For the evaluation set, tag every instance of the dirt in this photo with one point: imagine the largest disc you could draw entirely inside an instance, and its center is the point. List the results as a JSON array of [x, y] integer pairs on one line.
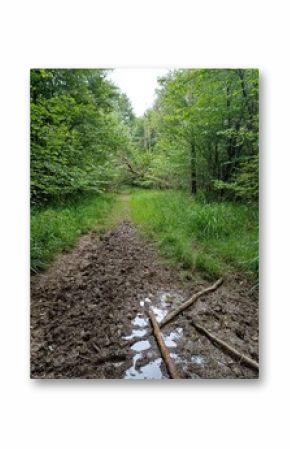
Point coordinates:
[[88, 316]]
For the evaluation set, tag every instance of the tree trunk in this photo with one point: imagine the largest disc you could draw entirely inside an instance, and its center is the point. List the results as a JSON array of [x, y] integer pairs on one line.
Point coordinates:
[[193, 167]]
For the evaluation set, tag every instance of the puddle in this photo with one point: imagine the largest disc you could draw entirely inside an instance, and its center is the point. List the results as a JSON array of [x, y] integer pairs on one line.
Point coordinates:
[[142, 348], [141, 345], [159, 313], [136, 333], [170, 340], [140, 320], [150, 371]]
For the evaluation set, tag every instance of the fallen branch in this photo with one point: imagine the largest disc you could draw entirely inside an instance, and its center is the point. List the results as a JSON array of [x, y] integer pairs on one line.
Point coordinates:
[[131, 168], [241, 357], [189, 302], [170, 365]]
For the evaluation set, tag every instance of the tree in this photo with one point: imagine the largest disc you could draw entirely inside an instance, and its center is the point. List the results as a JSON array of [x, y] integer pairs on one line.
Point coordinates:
[[77, 129], [205, 130]]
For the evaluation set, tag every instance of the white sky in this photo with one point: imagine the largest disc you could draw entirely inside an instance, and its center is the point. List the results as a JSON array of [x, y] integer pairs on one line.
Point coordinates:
[[139, 85]]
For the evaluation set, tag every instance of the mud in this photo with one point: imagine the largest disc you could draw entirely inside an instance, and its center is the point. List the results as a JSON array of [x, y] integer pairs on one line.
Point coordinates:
[[88, 315]]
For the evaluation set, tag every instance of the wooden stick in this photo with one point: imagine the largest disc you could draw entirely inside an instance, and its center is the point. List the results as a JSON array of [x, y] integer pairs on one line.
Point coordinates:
[[171, 368], [241, 357], [189, 302]]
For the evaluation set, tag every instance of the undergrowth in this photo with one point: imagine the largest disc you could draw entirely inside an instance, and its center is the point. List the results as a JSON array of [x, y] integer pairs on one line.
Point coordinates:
[[56, 227], [212, 238]]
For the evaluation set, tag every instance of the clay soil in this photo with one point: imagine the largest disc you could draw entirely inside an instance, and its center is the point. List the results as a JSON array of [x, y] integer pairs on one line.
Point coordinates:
[[82, 307]]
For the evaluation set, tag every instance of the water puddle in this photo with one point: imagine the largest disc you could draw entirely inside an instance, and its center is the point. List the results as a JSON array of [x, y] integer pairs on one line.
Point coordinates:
[[141, 345], [171, 340], [150, 371], [136, 333], [140, 320], [146, 349], [159, 313]]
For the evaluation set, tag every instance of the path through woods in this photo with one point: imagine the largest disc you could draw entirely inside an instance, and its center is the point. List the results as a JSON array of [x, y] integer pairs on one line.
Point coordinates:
[[88, 317]]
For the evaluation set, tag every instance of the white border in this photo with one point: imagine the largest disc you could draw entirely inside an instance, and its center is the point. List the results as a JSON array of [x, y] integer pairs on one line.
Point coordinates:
[[148, 34]]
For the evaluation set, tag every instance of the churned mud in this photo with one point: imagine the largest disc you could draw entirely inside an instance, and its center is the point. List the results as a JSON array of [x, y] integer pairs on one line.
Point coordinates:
[[88, 315]]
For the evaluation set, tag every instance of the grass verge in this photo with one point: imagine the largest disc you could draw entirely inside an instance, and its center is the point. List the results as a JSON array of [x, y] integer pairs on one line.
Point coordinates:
[[212, 238], [56, 227]]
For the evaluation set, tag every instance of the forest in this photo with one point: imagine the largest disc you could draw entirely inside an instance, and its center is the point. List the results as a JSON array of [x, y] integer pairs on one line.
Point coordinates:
[[201, 135], [200, 138], [184, 177]]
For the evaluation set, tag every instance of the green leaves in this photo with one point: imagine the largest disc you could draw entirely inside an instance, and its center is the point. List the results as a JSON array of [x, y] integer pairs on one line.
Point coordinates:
[[205, 123], [201, 135], [75, 131]]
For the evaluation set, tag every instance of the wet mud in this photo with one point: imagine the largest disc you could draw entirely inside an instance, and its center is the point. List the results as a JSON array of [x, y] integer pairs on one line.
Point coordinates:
[[88, 315]]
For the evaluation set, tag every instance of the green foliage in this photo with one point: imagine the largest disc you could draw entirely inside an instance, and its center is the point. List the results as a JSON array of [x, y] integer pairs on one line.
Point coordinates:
[[245, 181], [200, 137], [56, 227], [202, 134], [209, 237], [77, 129]]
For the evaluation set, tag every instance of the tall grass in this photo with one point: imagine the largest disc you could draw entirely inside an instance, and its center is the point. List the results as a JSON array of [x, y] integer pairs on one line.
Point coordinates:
[[210, 237], [56, 227]]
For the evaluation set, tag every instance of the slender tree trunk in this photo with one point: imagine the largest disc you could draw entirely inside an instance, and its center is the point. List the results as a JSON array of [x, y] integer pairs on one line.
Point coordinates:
[[193, 168], [228, 167], [244, 91]]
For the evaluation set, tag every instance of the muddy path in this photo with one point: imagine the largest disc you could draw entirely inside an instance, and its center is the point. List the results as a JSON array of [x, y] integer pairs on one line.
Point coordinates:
[[88, 315]]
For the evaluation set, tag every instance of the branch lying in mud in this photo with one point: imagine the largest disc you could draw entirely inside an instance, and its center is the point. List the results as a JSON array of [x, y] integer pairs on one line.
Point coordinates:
[[241, 357], [189, 302], [170, 365]]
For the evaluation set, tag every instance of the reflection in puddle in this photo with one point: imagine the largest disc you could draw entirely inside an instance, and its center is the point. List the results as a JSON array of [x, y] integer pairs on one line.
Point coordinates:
[[141, 345], [170, 340], [136, 333], [140, 320], [159, 313], [152, 369]]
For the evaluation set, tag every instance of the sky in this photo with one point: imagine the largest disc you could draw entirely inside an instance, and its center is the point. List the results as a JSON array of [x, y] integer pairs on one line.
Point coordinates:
[[139, 85]]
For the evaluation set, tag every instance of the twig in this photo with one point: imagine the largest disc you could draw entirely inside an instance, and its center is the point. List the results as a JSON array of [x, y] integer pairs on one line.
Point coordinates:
[[189, 302], [241, 357], [96, 348]]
